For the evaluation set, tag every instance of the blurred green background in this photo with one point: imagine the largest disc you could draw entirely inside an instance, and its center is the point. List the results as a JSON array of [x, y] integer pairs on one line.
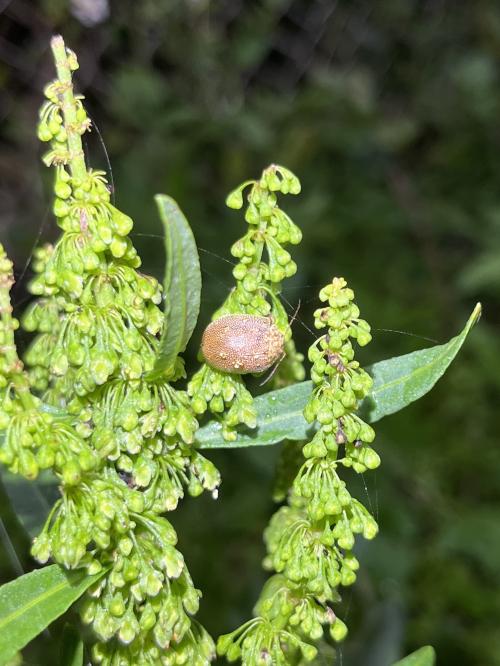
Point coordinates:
[[388, 112]]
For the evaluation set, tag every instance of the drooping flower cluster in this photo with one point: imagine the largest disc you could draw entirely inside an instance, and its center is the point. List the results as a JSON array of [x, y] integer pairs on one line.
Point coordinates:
[[310, 540], [258, 284], [119, 442]]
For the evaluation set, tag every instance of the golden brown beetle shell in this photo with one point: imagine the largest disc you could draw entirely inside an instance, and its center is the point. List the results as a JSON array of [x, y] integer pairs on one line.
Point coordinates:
[[242, 343]]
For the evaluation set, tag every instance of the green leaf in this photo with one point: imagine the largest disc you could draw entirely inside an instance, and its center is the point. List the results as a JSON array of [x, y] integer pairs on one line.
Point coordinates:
[[182, 287], [426, 656], [401, 380], [71, 647], [396, 383], [31, 602], [279, 417]]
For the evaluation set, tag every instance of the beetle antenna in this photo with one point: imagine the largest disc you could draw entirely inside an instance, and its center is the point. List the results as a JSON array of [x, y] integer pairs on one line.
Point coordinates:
[[278, 362], [294, 316], [301, 322]]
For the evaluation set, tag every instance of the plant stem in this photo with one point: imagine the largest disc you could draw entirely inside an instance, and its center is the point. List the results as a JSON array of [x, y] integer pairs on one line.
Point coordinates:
[[8, 348], [77, 164]]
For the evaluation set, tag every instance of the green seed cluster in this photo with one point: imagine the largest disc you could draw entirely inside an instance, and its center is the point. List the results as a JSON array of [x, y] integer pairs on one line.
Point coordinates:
[[7, 323], [120, 443], [258, 284], [111, 311], [310, 540], [35, 440]]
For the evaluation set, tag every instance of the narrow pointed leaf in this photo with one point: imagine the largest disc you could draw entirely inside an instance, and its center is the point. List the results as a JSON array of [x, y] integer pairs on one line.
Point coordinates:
[[182, 286], [397, 382], [426, 656], [31, 602]]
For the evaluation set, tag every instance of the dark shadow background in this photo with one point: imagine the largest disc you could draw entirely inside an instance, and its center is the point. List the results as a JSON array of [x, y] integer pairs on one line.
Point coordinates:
[[388, 112]]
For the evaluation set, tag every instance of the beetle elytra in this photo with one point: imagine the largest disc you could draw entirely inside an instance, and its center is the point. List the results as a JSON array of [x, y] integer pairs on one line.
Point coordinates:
[[242, 343]]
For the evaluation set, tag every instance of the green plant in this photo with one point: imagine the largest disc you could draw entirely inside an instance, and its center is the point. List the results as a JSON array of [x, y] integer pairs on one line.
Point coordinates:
[[120, 446], [257, 289], [97, 407], [310, 540]]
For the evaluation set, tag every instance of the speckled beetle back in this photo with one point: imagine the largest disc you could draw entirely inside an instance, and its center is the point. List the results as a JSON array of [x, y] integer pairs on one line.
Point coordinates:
[[242, 343]]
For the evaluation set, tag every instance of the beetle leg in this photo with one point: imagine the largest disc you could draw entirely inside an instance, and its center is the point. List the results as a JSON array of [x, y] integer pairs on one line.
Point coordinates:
[[276, 365]]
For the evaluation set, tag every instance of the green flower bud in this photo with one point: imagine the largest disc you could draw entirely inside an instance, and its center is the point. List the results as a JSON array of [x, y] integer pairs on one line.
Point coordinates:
[[130, 571], [87, 460], [136, 502], [217, 404], [40, 549], [199, 405], [370, 528], [151, 583], [102, 365], [324, 415], [59, 364], [309, 652], [128, 419], [338, 630], [363, 338], [235, 199], [88, 610], [104, 624], [195, 488], [94, 567], [62, 190], [45, 457], [71, 283], [186, 426], [233, 652], [28, 466], [148, 619], [71, 473], [102, 539], [347, 577], [134, 366], [60, 208], [118, 246], [117, 606], [44, 133], [143, 472], [239, 271], [122, 223], [366, 433], [371, 458]]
